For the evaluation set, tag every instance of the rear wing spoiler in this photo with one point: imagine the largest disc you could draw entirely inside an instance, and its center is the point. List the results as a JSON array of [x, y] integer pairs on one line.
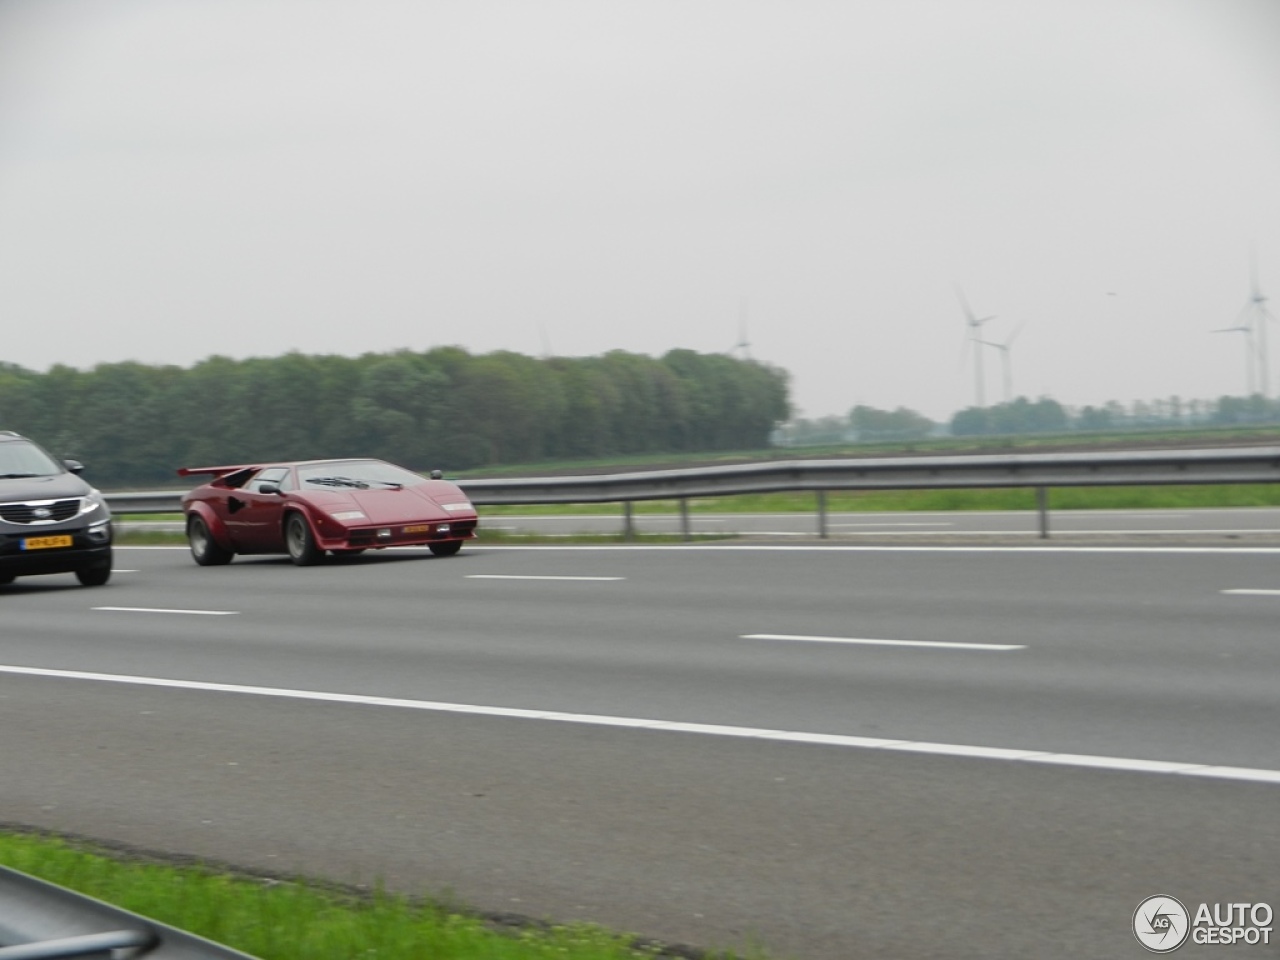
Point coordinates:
[[214, 471]]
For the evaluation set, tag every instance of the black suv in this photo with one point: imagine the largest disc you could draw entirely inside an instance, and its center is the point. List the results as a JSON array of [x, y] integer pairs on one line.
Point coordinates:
[[51, 521]]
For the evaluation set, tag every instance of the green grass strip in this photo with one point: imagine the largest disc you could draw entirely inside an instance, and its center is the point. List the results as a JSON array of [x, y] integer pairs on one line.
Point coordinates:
[[292, 920], [877, 501]]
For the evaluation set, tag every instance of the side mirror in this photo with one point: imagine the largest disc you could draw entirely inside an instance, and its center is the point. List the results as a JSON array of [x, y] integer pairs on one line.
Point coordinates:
[[269, 488], [75, 466], [437, 474]]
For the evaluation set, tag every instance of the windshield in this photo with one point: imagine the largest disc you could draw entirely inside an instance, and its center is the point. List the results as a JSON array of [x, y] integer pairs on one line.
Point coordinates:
[[357, 474], [21, 458]]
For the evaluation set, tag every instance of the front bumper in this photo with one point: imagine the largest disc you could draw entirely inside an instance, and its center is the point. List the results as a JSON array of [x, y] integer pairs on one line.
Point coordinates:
[[36, 550], [402, 535]]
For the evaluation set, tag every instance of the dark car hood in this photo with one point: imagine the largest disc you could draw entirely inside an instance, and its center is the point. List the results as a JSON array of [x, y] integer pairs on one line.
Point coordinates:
[[60, 486]]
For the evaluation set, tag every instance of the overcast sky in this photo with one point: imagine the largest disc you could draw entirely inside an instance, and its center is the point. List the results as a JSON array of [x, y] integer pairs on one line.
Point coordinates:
[[182, 178]]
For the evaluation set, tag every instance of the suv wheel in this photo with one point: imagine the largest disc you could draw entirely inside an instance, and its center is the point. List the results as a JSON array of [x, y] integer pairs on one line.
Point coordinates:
[[95, 575]]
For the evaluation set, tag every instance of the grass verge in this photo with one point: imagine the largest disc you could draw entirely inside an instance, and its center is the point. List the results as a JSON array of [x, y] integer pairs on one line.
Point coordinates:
[[294, 920], [929, 501]]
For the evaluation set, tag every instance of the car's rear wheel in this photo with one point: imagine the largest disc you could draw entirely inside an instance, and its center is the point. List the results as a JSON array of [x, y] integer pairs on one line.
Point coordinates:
[[206, 550], [300, 541], [94, 575], [446, 548]]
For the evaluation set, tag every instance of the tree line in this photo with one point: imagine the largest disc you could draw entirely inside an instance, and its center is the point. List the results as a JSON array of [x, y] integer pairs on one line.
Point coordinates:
[[134, 424], [865, 424]]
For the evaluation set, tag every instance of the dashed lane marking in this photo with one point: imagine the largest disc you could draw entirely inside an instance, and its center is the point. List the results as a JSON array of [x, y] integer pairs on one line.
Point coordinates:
[[941, 644], [197, 613]]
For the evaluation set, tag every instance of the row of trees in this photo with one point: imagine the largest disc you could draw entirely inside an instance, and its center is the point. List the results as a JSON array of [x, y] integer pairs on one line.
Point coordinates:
[[1048, 416], [135, 423], [1022, 416]]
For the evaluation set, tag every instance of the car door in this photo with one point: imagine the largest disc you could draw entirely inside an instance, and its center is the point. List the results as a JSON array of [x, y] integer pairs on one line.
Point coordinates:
[[253, 517]]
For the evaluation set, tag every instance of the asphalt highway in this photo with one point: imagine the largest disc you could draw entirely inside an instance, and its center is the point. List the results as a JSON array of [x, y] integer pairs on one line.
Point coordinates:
[[830, 751]]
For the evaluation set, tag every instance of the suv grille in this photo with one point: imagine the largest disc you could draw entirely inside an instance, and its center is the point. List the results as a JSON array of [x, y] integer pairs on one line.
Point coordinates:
[[40, 511]]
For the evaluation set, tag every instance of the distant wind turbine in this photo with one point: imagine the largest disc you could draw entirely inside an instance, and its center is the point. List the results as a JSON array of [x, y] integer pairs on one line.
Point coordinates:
[[1252, 322], [974, 324], [1258, 317], [1006, 358], [1246, 328], [743, 346]]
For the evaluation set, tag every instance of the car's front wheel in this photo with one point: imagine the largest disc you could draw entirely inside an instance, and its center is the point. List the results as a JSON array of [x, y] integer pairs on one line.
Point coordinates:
[[446, 548], [204, 548], [300, 541], [94, 575]]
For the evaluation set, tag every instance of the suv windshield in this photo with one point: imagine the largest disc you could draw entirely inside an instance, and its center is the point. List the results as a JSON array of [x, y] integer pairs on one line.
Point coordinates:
[[21, 458]]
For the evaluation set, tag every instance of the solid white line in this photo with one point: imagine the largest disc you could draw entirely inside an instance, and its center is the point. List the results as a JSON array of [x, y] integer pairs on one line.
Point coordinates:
[[891, 523], [875, 548], [1245, 592], [198, 613], [836, 548], [1251, 774], [953, 645], [502, 576]]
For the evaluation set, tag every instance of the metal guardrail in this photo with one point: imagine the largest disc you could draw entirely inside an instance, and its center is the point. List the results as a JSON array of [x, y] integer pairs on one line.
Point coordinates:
[[1040, 471], [42, 921]]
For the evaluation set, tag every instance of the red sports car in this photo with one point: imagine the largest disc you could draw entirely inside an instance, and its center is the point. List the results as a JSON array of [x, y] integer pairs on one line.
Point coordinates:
[[306, 508]]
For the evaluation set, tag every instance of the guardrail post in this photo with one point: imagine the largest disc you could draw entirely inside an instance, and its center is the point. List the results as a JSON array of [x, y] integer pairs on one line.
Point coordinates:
[[684, 519], [822, 514], [1042, 508], [628, 522]]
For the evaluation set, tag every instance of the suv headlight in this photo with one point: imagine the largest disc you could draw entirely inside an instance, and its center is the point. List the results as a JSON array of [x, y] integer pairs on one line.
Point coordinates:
[[94, 504]]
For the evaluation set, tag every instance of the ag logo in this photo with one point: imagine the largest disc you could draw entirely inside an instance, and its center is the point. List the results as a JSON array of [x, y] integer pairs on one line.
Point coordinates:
[[1161, 924]]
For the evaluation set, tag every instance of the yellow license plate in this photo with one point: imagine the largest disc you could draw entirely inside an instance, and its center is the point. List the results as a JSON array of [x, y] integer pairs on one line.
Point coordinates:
[[44, 543], [418, 528]]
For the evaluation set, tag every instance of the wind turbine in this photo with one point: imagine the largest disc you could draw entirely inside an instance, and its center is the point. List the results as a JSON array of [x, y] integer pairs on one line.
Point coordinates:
[[743, 346], [1006, 358], [1257, 313], [975, 337], [1249, 354], [1252, 322]]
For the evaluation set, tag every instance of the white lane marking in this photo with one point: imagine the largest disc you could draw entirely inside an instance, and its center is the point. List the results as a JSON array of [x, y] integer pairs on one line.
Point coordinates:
[[503, 576], [888, 523], [1207, 771], [1246, 592], [198, 613], [947, 644], [843, 548], [875, 548]]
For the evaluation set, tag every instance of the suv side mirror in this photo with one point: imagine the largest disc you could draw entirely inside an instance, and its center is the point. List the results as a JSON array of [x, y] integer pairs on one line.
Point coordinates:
[[75, 466]]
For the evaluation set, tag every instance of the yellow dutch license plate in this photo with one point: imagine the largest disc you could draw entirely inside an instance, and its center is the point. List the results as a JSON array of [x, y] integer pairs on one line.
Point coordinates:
[[418, 528], [45, 543]]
